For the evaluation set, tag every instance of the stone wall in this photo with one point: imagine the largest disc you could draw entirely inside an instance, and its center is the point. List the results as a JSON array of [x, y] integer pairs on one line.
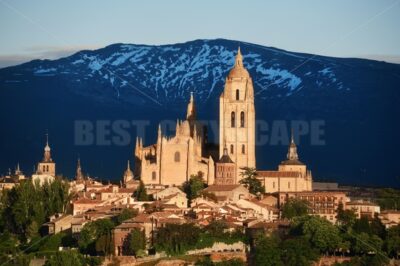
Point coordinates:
[[220, 247]]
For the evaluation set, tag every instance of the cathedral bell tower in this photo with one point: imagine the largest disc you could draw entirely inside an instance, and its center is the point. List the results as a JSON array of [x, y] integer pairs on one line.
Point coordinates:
[[47, 166], [237, 117]]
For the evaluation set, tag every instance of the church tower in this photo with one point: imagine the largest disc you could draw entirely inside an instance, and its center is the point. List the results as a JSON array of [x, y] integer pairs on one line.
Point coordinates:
[[78, 174], [237, 117], [47, 166]]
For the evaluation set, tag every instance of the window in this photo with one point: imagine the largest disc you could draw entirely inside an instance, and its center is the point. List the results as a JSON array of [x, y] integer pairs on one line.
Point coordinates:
[[177, 157], [231, 148], [273, 184], [153, 175], [288, 184], [233, 119], [237, 95], [44, 168], [47, 168], [243, 149], [242, 119]]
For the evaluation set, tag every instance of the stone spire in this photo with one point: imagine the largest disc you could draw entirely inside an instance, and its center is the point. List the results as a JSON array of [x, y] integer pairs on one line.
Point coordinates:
[[18, 170], [159, 131], [78, 174], [239, 59], [137, 146], [292, 151], [128, 174], [47, 151], [191, 109]]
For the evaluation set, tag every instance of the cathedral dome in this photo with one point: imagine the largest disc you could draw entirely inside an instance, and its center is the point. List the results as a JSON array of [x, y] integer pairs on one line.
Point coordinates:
[[238, 70]]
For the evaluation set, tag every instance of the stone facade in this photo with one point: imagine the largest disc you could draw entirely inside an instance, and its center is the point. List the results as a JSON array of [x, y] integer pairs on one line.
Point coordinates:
[[292, 174], [321, 203], [237, 117], [225, 170], [172, 160]]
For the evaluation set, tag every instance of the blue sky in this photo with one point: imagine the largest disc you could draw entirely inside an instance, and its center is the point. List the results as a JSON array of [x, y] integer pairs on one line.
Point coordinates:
[[50, 29]]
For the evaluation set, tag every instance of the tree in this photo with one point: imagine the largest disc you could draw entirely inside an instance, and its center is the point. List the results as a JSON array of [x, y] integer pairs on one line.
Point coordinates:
[[362, 226], [137, 241], [267, 251], [141, 192], [322, 235], [65, 258], [104, 245], [393, 241], [346, 218], [25, 207], [377, 227], [8, 245], [364, 244], [216, 228], [294, 208], [194, 186], [92, 232], [177, 238], [125, 215], [297, 252], [250, 181]]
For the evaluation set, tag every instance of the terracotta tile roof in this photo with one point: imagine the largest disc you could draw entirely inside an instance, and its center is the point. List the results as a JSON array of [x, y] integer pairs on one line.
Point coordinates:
[[222, 187], [86, 201], [292, 162], [361, 203], [278, 174], [120, 190]]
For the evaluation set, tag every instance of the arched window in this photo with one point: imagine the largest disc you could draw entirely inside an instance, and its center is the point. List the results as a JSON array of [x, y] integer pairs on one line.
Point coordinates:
[[153, 175], [44, 168], [47, 168], [231, 148], [237, 95], [177, 157], [288, 184], [233, 119], [241, 119], [243, 149]]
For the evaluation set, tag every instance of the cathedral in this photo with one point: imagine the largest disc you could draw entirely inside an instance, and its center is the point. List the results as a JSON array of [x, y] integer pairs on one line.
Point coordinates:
[[172, 160]]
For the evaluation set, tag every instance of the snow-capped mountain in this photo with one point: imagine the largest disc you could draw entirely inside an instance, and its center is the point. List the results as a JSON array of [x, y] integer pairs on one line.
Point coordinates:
[[356, 99]]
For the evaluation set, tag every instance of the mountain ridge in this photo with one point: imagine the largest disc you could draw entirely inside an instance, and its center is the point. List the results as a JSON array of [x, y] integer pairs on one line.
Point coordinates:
[[350, 95]]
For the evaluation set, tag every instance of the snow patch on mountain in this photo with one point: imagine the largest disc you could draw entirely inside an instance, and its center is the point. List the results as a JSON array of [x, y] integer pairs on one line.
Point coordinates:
[[279, 77]]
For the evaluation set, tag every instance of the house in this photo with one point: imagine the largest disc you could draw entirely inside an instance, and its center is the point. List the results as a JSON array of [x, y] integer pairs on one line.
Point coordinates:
[[178, 199], [168, 192], [228, 192], [262, 211], [390, 218], [58, 224], [146, 222], [269, 200], [321, 203], [82, 205], [363, 208], [114, 192]]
